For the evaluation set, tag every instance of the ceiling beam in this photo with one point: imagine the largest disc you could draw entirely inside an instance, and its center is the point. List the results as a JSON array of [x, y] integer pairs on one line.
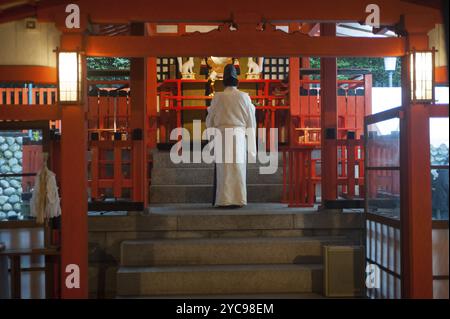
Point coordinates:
[[240, 43], [28, 73], [30, 112], [31, 9], [116, 11]]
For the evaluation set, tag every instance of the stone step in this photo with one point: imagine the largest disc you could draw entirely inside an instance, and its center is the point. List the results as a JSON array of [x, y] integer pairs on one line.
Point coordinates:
[[205, 176], [219, 279], [225, 251], [256, 193], [202, 217], [162, 159]]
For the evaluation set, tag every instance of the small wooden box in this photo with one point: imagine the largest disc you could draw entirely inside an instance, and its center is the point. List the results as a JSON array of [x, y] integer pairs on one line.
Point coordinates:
[[344, 271]]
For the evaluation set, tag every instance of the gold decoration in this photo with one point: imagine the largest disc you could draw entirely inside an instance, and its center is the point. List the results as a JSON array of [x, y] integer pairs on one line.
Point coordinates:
[[218, 64]]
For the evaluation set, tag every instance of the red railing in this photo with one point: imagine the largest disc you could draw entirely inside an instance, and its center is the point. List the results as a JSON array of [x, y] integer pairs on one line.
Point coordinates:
[[111, 148], [384, 151], [298, 176], [172, 104], [20, 96], [351, 168], [110, 169], [109, 111], [353, 104], [37, 96]]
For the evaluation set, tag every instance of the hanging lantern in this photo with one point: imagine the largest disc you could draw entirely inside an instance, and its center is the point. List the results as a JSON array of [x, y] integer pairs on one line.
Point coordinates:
[[422, 76], [69, 78]]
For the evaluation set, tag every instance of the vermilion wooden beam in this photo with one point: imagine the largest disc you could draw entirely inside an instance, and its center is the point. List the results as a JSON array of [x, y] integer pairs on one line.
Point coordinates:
[[416, 217], [30, 112], [243, 43], [138, 122], [74, 226], [203, 11], [438, 110], [152, 108], [328, 118], [368, 79], [74, 241], [415, 177], [294, 97], [28, 73]]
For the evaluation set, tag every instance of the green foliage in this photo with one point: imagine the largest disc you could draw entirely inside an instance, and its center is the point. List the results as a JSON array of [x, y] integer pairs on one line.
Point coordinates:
[[108, 63], [374, 65]]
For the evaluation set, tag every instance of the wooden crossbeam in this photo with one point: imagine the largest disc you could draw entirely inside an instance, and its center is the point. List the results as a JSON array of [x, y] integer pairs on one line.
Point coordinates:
[[274, 43], [29, 112], [283, 11]]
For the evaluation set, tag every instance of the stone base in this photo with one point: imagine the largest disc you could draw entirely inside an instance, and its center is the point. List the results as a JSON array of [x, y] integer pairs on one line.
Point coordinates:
[[188, 76], [253, 76], [214, 245]]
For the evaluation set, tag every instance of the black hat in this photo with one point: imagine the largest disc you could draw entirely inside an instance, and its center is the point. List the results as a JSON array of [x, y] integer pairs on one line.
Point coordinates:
[[229, 72]]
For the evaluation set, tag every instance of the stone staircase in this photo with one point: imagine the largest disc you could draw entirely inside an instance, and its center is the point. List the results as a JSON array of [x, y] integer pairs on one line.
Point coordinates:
[[261, 250], [193, 183]]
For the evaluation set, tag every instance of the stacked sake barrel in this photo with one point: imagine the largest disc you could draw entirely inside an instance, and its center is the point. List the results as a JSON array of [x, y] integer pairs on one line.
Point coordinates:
[[10, 187]]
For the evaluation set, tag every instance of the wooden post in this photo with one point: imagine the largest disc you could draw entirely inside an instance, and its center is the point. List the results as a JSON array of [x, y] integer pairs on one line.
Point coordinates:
[[294, 91], [294, 97], [416, 217], [305, 63], [74, 229], [328, 95], [74, 250], [416, 209], [139, 121], [152, 109]]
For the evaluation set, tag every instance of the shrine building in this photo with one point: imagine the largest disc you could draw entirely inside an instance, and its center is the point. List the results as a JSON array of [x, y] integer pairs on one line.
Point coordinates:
[[105, 185]]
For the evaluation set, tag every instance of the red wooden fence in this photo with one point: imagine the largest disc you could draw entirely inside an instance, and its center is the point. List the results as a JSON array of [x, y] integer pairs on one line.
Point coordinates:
[[298, 184], [110, 169]]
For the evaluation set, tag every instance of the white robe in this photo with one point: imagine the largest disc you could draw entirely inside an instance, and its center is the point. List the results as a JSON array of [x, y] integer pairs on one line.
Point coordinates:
[[233, 109]]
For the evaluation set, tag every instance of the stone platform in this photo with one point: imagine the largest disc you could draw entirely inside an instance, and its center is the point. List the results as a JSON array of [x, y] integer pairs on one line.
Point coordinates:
[[194, 250]]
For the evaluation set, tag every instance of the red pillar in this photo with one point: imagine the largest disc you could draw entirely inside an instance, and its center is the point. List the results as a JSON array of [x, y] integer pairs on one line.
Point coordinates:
[[139, 121], [328, 92], [416, 209], [294, 91], [305, 63], [416, 218], [294, 97], [152, 109], [74, 226]]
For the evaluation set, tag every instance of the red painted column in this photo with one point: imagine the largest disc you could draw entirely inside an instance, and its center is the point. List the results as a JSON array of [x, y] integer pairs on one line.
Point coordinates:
[[294, 92], [152, 109], [305, 63], [74, 219], [328, 95], [416, 209], [294, 97], [139, 121], [416, 218], [367, 95], [74, 233]]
